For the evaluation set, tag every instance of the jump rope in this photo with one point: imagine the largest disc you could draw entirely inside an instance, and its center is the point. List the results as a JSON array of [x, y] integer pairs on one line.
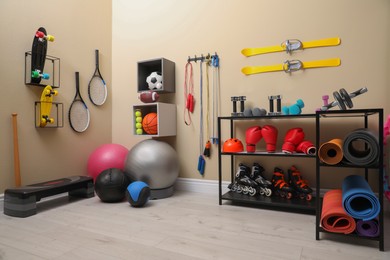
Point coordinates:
[[201, 160], [188, 93], [204, 148]]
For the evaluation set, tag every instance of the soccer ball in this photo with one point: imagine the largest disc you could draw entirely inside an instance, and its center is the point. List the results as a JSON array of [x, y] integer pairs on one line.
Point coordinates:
[[154, 80]]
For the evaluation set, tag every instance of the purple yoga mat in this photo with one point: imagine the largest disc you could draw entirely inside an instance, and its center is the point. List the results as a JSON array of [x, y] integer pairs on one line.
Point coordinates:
[[368, 228]]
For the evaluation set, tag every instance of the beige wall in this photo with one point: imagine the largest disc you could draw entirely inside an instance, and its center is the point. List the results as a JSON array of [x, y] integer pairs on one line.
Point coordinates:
[[177, 29], [47, 154]]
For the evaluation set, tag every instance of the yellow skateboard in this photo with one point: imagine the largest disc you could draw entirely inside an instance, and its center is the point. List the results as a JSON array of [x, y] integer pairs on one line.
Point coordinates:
[[46, 103]]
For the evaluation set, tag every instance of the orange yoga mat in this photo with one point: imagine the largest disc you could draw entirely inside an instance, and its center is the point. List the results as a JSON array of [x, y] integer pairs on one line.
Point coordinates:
[[333, 216]]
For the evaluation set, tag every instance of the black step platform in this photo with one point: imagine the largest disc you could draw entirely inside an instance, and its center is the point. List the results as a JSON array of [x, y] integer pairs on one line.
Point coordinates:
[[22, 202]]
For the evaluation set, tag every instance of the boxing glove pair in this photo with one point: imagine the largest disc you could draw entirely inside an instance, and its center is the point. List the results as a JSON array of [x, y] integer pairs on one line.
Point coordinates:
[[293, 137], [294, 142], [254, 134]]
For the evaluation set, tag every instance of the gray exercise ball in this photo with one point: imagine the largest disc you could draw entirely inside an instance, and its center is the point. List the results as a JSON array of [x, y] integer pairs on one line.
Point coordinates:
[[155, 163]]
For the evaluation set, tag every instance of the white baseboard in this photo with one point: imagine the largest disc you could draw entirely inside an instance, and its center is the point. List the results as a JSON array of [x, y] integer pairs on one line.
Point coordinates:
[[201, 186]]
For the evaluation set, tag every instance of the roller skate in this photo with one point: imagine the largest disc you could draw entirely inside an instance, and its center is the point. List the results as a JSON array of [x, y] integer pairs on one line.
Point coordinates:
[[300, 186], [263, 184], [280, 186], [243, 183]]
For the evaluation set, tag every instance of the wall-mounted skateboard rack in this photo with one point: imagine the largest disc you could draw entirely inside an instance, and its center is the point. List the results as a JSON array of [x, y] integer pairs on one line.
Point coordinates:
[[22, 201], [52, 70]]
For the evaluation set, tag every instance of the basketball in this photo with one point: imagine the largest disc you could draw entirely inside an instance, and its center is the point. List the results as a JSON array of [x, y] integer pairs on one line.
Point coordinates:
[[149, 123]]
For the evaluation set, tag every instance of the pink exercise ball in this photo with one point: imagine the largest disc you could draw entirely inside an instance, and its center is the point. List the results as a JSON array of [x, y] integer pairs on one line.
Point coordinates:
[[105, 157]]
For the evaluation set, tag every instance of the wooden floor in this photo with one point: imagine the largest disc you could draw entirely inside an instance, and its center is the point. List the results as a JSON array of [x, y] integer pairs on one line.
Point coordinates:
[[185, 226]]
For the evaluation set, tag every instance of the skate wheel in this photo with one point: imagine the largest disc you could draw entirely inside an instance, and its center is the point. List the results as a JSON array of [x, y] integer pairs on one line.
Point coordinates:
[[50, 38], [239, 190], [309, 197], [51, 120], [253, 192], [35, 74], [45, 76], [261, 192], [39, 34], [289, 195], [268, 192], [302, 196], [282, 194]]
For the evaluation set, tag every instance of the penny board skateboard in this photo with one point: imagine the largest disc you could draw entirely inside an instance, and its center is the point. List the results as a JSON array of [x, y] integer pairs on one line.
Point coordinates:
[[46, 104], [38, 55]]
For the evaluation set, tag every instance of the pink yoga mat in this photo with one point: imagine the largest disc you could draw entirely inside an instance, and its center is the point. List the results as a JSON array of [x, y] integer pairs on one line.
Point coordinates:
[[333, 216]]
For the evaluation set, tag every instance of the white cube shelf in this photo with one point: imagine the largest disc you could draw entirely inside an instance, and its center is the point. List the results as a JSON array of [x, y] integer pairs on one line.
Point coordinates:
[[162, 65], [166, 118]]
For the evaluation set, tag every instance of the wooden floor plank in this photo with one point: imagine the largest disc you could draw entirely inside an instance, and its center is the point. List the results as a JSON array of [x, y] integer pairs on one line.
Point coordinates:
[[185, 226]]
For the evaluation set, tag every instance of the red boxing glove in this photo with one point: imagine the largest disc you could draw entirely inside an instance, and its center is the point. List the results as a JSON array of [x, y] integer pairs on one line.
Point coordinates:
[[270, 134], [293, 137], [252, 137], [306, 147]]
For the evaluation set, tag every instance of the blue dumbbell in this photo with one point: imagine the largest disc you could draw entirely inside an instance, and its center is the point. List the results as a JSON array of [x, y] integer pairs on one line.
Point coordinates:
[[295, 109]]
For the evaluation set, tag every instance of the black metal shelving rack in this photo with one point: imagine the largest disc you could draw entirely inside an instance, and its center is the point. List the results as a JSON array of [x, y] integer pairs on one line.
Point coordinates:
[[364, 114], [274, 202]]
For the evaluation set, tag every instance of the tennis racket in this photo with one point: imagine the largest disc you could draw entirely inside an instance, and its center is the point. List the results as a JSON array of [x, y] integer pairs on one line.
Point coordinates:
[[78, 111], [97, 89]]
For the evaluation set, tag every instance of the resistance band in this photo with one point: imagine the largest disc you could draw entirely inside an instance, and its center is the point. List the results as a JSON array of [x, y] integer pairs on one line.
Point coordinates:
[[201, 160], [188, 93], [207, 148], [216, 89]]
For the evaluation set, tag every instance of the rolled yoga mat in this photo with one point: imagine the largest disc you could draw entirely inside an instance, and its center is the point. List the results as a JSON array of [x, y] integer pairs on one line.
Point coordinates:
[[358, 199], [361, 147], [333, 216], [331, 152], [369, 228]]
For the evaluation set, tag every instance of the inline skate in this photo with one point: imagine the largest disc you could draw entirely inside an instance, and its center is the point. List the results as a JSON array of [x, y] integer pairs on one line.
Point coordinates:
[[263, 184], [242, 182], [280, 186], [300, 186]]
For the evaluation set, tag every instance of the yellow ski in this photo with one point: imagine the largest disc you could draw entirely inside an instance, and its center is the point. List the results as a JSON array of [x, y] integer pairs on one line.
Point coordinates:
[[291, 66], [291, 45]]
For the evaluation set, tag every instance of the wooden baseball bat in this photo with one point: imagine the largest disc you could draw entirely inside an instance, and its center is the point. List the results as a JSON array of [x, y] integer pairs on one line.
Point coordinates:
[[18, 180]]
